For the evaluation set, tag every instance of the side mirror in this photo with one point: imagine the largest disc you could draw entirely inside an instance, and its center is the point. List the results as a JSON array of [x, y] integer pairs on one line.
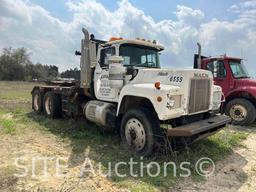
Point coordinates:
[[78, 53]]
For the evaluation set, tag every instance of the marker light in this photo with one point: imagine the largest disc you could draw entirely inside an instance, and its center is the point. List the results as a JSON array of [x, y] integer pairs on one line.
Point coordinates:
[[159, 99], [115, 38], [157, 85]]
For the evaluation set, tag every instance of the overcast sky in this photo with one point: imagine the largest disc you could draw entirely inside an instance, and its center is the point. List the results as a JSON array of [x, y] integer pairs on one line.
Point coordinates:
[[51, 30]]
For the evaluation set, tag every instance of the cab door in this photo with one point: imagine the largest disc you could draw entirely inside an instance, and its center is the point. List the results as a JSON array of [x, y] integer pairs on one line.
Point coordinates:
[[102, 89], [219, 71]]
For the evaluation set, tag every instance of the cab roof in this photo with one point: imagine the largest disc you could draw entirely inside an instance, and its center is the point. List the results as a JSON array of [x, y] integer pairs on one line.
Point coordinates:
[[136, 42], [222, 57]]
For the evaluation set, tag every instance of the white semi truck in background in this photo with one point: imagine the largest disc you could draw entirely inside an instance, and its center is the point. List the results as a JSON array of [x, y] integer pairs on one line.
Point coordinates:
[[123, 88]]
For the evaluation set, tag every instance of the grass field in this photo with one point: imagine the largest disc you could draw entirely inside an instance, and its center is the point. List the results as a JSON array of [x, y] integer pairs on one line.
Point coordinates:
[[25, 134]]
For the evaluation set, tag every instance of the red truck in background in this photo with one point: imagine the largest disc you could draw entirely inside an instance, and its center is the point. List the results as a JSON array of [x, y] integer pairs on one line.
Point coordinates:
[[238, 87]]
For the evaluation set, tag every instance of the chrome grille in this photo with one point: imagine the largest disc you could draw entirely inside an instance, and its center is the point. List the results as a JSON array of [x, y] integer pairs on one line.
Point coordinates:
[[200, 92]]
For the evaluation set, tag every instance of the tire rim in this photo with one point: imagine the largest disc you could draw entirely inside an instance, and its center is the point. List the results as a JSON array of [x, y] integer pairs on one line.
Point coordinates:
[[36, 102], [238, 112], [48, 105], [135, 134]]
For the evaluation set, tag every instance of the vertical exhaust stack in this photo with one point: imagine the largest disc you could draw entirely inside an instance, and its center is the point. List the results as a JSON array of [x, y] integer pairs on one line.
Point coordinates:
[[85, 61], [199, 59]]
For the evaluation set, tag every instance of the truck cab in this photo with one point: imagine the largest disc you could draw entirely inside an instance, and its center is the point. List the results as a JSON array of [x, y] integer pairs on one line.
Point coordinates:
[[238, 87], [132, 54]]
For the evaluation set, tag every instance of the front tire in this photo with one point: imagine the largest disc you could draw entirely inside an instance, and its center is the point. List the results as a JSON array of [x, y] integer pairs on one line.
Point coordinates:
[[241, 111], [52, 105], [139, 128]]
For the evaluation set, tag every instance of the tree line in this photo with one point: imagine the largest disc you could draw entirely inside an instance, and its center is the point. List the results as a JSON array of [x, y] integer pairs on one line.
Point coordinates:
[[15, 65]]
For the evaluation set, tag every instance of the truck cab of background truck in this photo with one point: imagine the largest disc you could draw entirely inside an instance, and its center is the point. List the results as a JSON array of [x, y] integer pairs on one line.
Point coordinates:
[[239, 89]]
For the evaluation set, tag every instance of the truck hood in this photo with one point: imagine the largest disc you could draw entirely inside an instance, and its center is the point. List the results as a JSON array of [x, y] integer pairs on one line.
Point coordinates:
[[175, 77], [245, 82]]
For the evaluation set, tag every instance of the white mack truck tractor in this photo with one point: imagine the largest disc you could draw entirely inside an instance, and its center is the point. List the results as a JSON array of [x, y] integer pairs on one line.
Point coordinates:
[[123, 88]]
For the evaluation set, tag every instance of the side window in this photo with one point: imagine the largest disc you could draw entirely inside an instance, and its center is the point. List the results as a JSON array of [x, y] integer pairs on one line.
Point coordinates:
[[143, 59], [126, 60], [105, 54], [217, 68], [210, 67], [150, 58]]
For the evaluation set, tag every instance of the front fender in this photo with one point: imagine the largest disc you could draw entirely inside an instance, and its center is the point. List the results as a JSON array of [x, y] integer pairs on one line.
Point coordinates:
[[246, 89], [149, 92]]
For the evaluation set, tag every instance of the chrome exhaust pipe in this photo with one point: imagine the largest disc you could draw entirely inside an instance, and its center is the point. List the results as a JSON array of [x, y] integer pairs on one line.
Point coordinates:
[[199, 59]]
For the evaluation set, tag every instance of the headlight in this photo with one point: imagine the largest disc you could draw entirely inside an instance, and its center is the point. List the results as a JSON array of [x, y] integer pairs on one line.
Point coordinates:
[[216, 101], [173, 101], [217, 97]]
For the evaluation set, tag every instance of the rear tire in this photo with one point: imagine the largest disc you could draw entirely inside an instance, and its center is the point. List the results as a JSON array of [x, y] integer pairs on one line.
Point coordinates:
[[52, 105], [241, 111], [37, 104], [139, 128]]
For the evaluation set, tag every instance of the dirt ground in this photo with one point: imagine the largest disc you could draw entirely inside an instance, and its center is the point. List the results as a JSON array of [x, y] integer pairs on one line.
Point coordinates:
[[37, 144], [236, 172], [26, 136]]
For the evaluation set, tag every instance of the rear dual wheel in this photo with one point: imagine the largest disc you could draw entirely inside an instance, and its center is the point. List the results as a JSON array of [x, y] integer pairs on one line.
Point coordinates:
[[37, 104], [52, 105]]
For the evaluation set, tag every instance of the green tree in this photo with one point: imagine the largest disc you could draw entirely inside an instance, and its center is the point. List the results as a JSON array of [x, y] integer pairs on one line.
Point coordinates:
[[71, 73], [15, 64], [12, 63]]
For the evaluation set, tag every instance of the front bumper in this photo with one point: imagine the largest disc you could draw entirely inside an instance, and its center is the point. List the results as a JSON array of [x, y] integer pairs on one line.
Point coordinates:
[[203, 128]]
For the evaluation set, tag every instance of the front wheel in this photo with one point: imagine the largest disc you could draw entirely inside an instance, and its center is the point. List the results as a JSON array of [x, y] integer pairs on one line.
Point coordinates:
[[241, 111], [138, 130]]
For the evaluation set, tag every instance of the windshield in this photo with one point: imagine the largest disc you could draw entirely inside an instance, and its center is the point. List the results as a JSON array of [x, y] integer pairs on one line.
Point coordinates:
[[139, 56], [238, 69]]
